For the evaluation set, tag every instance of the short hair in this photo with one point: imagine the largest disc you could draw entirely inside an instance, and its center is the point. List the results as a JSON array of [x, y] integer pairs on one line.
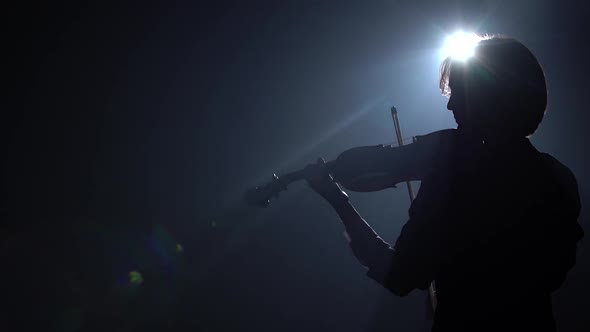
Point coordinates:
[[510, 73]]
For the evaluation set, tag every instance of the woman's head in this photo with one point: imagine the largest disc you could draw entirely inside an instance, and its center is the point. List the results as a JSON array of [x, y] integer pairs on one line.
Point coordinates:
[[500, 90]]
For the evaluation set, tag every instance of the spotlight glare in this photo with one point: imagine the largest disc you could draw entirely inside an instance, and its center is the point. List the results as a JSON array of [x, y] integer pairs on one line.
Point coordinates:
[[460, 45]]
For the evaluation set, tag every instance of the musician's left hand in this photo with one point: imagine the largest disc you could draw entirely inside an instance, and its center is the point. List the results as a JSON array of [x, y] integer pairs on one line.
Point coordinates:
[[324, 184]]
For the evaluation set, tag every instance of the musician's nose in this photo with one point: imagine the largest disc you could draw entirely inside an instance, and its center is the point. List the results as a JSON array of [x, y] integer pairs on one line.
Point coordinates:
[[451, 103], [454, 105]]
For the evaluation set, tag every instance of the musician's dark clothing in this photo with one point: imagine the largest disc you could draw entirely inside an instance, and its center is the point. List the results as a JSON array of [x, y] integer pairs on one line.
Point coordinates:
[[494, 224]]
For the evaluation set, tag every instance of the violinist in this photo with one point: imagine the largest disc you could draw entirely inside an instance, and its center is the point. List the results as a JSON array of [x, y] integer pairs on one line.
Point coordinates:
[[496, 253]]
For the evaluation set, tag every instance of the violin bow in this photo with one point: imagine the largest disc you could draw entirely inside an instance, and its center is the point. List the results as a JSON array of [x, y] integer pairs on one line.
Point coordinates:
[[400, 142]]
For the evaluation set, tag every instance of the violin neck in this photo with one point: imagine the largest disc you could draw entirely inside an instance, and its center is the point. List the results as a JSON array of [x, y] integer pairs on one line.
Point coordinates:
[[261, 196], [304, 173]]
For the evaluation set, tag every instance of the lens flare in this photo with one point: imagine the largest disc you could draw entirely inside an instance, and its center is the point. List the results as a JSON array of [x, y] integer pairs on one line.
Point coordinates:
[[135, 278], [460, 45]]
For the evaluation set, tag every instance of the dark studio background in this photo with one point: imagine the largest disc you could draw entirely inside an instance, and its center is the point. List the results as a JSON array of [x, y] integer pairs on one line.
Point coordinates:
[[136, 127]]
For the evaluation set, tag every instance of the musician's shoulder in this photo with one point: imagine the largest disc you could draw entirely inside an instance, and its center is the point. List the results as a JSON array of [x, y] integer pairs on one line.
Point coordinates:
[[555, 164], [560, 171]]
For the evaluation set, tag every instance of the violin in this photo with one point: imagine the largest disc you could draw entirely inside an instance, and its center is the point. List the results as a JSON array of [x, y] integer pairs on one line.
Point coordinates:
[[353, 169]]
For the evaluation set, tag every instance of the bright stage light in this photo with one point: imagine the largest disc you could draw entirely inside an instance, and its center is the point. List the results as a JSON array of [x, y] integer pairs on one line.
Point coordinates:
[[460, 45]]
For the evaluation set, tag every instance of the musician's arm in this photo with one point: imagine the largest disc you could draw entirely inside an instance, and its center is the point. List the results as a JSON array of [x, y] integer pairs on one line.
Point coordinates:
[[366, 244], [371, 251], [402, 268], [383, 262]]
